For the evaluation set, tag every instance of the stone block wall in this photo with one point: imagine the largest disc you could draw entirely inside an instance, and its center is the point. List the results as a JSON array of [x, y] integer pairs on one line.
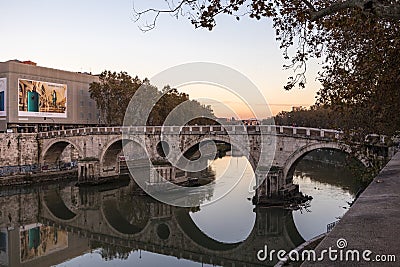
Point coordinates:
[[18, 153], [18, 149]]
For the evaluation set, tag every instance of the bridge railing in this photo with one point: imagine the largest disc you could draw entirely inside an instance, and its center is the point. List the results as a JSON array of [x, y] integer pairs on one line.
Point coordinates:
[[201, 129]]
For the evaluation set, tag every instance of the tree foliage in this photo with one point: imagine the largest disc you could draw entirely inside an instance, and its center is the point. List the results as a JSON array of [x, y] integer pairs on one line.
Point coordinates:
[[357, 42], [315, 117], [112, 95], [352, 120], [114, 91]]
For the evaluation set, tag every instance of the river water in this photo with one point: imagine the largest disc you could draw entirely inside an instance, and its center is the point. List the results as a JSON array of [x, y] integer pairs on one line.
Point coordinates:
[[111, 225]]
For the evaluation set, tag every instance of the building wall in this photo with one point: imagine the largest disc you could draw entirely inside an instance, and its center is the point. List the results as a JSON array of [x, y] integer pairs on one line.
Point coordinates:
[[81, 109], [18, 149]]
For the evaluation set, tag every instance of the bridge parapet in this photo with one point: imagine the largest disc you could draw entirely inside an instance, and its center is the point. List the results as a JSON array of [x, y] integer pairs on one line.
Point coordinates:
[[314, 133]]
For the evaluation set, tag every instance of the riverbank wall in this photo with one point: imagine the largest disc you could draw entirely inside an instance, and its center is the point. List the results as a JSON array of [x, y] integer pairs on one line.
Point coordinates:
[[371, 226]]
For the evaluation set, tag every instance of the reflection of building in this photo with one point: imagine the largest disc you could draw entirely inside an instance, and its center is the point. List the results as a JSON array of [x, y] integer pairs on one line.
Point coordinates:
[[38, 241], [37, 98]]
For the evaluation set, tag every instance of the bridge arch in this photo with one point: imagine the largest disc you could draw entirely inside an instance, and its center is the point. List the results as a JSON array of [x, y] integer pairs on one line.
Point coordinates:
[[193, 232], [109, 163], [296, 156], [56, 207], [118, 223], [223, 138], [51, 152]]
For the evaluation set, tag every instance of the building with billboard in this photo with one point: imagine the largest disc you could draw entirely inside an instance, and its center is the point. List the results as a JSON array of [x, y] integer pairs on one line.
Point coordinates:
[[34, 98]]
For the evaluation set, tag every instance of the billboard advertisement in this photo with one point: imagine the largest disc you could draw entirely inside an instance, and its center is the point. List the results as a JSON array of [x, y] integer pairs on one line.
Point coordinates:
[[42, 99], [3, 92]]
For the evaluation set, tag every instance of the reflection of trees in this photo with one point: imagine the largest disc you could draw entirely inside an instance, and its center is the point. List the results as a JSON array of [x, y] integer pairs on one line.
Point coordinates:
[[205, 176], [135, 209], [110, 252], [329, 168], [331, 156]]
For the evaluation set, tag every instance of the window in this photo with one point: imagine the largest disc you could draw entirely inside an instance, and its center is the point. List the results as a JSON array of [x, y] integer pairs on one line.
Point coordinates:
[[82, 116]]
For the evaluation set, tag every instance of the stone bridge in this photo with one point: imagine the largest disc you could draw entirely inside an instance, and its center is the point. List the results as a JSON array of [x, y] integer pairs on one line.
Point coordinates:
[[99, 150]]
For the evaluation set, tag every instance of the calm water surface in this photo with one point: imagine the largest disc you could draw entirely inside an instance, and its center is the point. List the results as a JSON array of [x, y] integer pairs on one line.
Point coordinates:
[[112, 226]]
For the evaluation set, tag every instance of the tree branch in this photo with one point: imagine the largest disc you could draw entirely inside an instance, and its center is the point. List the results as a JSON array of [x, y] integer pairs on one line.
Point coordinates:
[[309, 5], [157, 13], [391, 11], [387, 11], [336, 7]]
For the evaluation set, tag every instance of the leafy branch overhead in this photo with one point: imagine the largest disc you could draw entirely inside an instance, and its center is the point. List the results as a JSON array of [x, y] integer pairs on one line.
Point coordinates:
[[306, 25], [356, 41]]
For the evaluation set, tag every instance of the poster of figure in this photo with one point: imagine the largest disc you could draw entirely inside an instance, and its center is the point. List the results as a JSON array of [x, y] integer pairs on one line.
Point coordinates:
[[42, 99], [40, 241], [3, 91]]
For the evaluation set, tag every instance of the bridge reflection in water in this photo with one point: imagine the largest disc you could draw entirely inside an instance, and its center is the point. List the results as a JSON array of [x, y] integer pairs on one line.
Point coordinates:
[[87, 226], [49, 225]]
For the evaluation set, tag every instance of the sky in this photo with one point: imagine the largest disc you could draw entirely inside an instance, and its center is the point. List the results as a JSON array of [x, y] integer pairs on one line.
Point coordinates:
[[97, 35]]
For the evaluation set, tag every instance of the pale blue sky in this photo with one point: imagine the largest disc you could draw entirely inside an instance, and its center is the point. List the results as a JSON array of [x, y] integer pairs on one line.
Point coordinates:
[[93, 35]]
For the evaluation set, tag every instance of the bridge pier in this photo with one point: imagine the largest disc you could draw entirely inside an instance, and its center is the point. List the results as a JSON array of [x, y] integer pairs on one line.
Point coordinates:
[[88, 171], [273, 190]]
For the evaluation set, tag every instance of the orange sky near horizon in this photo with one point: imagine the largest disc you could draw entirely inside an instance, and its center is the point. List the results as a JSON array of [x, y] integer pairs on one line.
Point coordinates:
[[226, 104]]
